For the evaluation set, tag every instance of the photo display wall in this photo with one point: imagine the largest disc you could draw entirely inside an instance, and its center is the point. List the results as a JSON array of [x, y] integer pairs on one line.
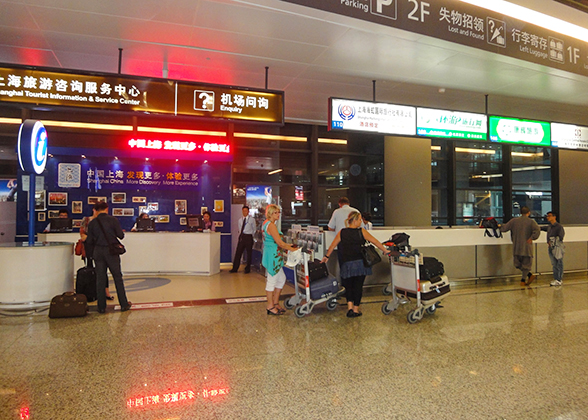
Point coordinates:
[[164, 189]]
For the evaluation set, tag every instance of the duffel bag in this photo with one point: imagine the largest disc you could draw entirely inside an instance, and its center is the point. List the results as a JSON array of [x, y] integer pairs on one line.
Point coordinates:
[[68, 305]]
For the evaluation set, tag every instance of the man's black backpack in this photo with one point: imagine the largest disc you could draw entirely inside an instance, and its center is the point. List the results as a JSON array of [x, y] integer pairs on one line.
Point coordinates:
[[491, 227]]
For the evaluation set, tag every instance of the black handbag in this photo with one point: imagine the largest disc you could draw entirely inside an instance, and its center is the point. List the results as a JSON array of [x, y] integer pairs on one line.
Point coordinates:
[[114, 248], [317, 271], [68, 305], [369, 253]]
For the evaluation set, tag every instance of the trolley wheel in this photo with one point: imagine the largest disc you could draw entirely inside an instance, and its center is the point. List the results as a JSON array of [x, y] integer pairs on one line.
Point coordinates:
[[299, 312], [412, 317], [431, 309], [387, 290], [287, 304], [385, 309], [332, 304]]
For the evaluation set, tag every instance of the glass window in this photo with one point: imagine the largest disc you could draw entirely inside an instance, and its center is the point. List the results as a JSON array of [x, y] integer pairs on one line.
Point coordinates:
[[439, 183], [475, 204], [531, 181]]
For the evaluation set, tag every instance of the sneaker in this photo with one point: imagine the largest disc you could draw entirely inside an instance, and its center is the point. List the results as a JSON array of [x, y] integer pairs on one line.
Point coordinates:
[[555, 283], [531, 278]]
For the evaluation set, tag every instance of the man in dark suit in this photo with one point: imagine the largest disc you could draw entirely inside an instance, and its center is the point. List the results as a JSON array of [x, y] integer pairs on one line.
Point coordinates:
[[102, 231], [246, 230]]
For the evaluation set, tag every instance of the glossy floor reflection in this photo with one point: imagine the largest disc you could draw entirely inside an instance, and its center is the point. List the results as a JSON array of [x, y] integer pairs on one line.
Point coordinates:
[[492, 352]]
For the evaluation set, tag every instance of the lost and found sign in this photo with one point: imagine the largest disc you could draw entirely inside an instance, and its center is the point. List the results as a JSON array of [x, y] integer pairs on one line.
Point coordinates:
[[465, 24], [120, 93]]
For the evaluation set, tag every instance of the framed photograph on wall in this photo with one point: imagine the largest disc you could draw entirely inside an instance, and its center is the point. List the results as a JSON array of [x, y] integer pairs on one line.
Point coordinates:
[[128, 212], [142, 209], [181, 206], [139, 199], [118, 212], [76, 223], [118, 198], [94, 200], [219, 206], [218, 223], [53, 214], [57, 199], [183, 221], [203, 209], [41, 217], [152, 207], [77, 207], [40, 202], [162, 218]]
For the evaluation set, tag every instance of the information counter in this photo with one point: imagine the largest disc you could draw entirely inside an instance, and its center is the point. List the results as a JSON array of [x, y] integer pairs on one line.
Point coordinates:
[[161, 252], [467, 254], [32, 275]]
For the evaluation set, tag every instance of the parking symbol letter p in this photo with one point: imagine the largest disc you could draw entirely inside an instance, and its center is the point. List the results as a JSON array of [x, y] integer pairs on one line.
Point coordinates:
[[390, 10], [381, 3]]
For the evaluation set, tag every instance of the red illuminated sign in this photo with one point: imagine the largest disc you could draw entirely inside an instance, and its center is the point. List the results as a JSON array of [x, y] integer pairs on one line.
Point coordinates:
[[24, 413], [184, 146]]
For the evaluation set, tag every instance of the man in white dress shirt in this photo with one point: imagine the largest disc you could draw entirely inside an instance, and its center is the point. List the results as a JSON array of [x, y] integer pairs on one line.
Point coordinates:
[[246, 230]]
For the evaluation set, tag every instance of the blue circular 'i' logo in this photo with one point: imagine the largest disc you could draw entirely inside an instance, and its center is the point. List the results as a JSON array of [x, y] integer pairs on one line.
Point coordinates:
[[32, 146]]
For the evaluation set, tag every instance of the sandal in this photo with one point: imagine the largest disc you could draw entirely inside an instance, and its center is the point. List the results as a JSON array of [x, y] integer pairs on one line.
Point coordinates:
[[280, 309], [271, 312]]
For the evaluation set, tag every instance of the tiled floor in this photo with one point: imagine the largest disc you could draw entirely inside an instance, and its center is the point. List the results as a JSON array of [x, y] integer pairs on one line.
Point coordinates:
[[494, 351]]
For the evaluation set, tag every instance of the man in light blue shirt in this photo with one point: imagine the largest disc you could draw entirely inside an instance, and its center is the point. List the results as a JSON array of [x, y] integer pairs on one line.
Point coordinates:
[[246, 230], [340, 215]]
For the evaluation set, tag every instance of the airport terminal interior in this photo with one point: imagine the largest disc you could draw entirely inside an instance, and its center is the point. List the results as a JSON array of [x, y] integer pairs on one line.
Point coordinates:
[[126, 90], [188, 350]]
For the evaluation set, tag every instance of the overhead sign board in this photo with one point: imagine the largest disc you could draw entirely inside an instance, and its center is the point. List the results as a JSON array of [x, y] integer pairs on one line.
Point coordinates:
[[568, 136], [121, 93], [372, 117], [451, 124], [513, 130], [466, 24]]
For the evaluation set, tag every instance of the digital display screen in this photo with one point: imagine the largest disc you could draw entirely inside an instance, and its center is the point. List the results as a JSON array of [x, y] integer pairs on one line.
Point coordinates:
[[517, 131], [451, 124], [568, 136], [372, 117]]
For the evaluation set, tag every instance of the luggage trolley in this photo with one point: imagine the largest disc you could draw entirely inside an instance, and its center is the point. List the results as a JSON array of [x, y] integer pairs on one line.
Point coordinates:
[[324, 290], [406, 285]]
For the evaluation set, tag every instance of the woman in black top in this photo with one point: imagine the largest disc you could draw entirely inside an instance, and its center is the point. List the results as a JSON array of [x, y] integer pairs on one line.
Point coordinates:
[[353, 272]]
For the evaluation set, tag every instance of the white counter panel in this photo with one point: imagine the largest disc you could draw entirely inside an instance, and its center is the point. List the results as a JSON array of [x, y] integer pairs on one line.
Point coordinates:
[[161, 252], [31, 276]]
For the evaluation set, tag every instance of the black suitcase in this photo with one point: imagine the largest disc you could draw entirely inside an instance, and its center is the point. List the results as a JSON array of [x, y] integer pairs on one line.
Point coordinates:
[[86, 283], [431, 268], [323, 287]]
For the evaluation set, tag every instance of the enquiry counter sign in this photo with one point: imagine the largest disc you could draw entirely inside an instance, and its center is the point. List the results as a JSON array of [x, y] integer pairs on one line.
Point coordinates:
[[32, 147], [123, 93]]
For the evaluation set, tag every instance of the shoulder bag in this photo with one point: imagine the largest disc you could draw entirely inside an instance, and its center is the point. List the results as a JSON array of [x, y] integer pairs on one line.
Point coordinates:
[[369, 253], [115, 248]]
